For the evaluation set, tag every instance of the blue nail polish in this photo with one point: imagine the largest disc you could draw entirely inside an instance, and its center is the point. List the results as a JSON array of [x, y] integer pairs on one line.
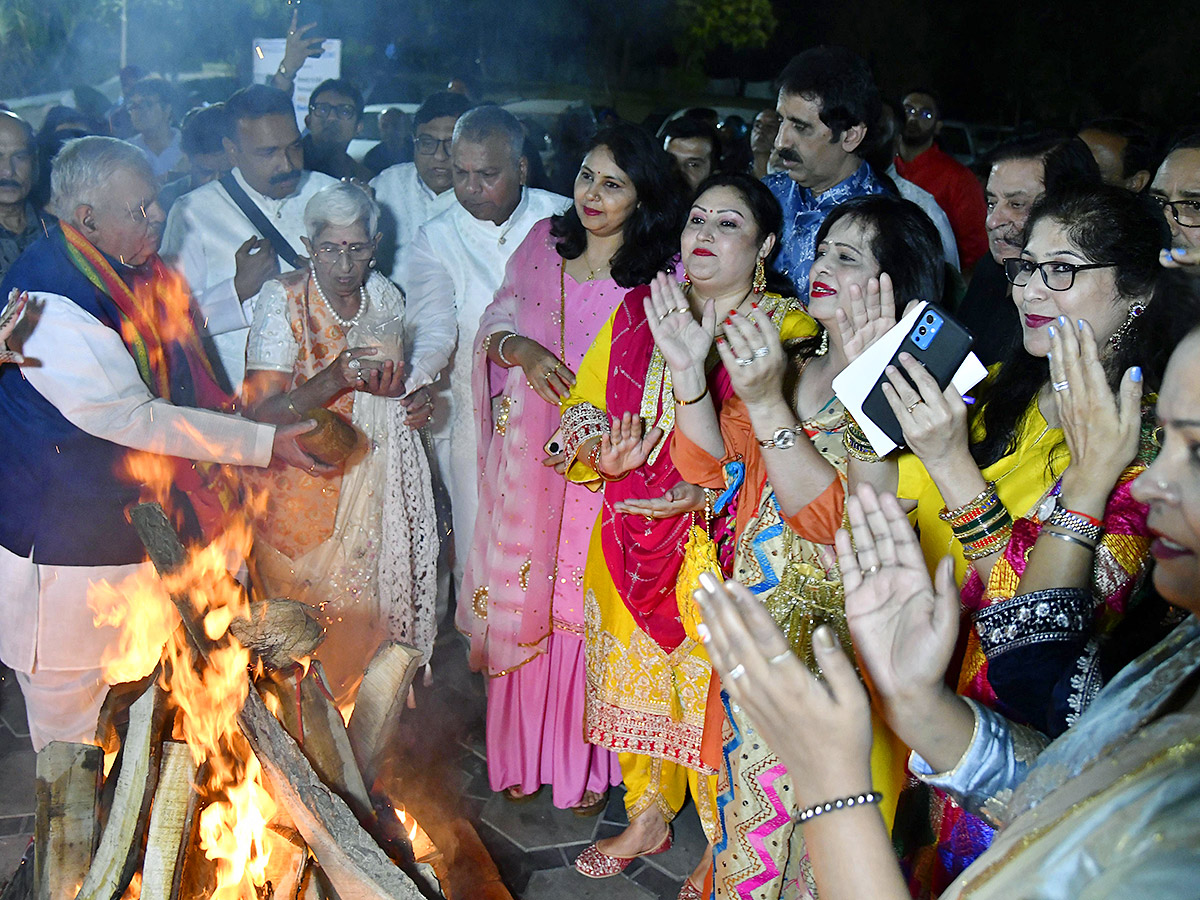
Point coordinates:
[[1062, 320], [1079, 322], [1050, 331], [1049, 356], [1136, 374], [1178, 252]]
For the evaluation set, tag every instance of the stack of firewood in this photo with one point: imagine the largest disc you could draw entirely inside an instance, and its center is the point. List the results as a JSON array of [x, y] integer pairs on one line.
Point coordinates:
[[336, 833]]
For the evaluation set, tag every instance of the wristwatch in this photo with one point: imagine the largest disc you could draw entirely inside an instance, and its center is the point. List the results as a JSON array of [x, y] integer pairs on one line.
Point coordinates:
[[1047, 508], [782, 439]]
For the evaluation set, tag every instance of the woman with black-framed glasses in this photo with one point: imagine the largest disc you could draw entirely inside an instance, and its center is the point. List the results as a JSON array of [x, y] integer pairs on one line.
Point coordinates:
[[1029, 492]]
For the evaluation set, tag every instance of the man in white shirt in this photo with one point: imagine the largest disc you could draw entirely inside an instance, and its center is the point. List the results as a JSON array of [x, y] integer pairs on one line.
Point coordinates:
[[412, 193], [457, 262], [150, 110], [110, 377], [223, 254]]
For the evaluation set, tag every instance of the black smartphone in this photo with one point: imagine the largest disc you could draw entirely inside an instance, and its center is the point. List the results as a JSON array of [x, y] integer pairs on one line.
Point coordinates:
[[939, 343]]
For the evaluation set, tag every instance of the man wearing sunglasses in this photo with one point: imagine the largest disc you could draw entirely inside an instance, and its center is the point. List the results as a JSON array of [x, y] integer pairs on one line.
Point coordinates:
[[953, 185], [1176, 189], [335, 111]]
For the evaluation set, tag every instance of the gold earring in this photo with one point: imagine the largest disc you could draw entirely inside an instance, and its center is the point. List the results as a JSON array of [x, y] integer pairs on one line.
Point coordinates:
[[760, 277]]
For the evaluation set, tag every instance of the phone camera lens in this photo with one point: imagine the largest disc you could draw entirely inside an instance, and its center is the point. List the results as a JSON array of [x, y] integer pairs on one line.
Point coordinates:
[[922, 329], [929, 319]]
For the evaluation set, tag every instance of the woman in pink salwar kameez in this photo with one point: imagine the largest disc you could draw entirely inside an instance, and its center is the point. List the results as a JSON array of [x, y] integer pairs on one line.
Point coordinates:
[[522, 600]]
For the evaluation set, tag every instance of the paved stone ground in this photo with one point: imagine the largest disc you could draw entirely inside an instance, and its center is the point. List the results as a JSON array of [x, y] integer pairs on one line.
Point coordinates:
[[441, 770]]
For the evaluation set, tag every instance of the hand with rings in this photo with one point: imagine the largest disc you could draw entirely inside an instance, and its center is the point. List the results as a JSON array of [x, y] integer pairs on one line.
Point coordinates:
[[904, 629], [683, 342], [545, 374], [753, 356], [419, 404], [1101, 428], [934, 421], [348, 370]]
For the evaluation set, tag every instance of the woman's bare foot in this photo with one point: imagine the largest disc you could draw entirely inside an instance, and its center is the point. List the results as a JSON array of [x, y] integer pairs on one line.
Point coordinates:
[[588, 801], [701, 871], [515, 794], [643, 834]]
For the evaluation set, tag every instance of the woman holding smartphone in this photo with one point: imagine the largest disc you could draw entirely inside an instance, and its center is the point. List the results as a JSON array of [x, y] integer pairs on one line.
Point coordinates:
[[522, 601], [1038, 472]]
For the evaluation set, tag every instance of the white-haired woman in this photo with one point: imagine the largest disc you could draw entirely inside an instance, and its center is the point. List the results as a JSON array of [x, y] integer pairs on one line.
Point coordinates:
[[357, 541]]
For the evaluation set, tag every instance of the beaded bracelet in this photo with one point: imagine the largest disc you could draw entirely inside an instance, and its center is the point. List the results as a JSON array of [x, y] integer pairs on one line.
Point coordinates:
[[856, 442], [833, 805], [500, 349]]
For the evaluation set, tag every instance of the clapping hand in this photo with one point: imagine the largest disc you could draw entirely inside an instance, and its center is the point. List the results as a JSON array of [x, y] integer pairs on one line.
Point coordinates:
[[682, 498], [821, 729], [683, 342], [625, 447], [753, 356], [904, 628], [869, 318], [13, 327], [1101, 429]]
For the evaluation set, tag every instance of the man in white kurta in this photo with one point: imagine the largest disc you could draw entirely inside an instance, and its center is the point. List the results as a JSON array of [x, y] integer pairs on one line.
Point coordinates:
[[208, 237], [457, 260], [410, 194]]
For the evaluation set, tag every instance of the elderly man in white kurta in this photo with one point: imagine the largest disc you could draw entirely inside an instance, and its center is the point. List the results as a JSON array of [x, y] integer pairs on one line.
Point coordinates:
[[458, 259], [110, 377], [223, 254]]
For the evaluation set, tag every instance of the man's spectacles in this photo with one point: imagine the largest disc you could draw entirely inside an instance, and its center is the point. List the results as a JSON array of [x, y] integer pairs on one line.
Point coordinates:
[[1058, 276], [427, 144], [345, 111], [1184, 212], [328, 253], [919, 112]]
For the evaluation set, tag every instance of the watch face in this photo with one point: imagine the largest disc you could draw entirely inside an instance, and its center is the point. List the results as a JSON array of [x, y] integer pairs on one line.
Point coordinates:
[[784, 438], [1046, 509]]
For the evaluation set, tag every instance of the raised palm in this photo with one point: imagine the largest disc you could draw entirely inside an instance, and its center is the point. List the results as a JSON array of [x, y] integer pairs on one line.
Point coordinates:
[[10, 318], [683, 342], [626, 447], [869, 317], [904, 628]]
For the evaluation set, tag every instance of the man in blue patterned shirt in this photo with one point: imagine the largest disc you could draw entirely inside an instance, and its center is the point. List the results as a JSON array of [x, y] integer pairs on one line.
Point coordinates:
[[828, 102]]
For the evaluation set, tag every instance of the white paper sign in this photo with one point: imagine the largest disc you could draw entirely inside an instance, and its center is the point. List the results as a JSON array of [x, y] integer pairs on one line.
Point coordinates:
[[268, 54], [854, 383]]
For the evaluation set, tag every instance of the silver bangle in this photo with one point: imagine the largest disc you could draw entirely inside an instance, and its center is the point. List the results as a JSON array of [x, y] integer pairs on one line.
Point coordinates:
[[833, 805], [500, 349], [1074, 539]]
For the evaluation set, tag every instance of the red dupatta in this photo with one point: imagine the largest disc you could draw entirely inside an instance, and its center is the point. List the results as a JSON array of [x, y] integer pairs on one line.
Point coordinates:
[[644, 555]]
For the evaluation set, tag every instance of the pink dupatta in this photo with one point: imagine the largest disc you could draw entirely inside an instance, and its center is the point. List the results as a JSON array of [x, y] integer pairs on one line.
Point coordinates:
[[509, 577]]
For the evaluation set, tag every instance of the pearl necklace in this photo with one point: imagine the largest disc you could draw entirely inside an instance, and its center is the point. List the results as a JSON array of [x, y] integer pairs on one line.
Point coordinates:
[[346, 324]]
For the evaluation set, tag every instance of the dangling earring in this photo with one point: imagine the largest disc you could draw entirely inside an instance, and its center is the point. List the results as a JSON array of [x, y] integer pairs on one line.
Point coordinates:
[[824, 348], [760, 277], [371, 263], [1117, 341]]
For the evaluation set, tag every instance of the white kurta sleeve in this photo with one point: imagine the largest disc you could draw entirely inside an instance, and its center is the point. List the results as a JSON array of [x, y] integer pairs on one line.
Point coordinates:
[[183, 245], [272, 343], [86, 372], [428, 313]]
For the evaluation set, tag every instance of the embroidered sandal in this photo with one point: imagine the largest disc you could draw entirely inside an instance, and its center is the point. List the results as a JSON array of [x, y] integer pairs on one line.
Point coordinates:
[[595, 863]]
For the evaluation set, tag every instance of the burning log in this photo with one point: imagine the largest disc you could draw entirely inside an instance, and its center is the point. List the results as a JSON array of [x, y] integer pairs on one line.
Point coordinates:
[[279, 632], [289, 860], [379, 703], [353, 862], [355, 865], [307, 712], [116, 858], [171, 822], [68, 786]]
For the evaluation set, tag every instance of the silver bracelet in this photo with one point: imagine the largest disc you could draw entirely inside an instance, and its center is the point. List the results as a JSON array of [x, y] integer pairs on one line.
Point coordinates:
[[842, 803], [500, 349], [1070, 521], [1065, 536]]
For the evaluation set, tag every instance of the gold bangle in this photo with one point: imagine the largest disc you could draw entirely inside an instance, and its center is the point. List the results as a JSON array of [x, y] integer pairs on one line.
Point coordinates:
[[292, 406], [679, 402]]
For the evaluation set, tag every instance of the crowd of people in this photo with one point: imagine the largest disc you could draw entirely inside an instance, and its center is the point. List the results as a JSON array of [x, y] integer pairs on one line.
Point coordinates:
[[965, 667]]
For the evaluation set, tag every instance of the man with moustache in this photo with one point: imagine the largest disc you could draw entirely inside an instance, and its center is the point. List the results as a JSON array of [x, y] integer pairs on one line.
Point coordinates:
[[20, 222], [211, 234], [456, 264], [953, 185], [827, 103], [1020, 172], [113, 370]]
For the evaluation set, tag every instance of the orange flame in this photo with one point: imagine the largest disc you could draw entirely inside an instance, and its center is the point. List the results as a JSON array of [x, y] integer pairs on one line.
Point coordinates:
[[422, 844], [208, 693]]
